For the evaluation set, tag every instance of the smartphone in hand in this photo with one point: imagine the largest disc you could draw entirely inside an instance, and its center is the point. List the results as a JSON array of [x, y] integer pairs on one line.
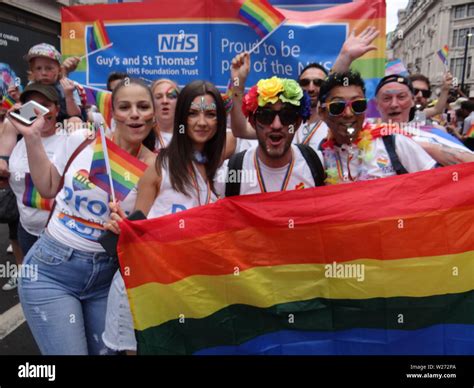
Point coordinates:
[[26, 113]]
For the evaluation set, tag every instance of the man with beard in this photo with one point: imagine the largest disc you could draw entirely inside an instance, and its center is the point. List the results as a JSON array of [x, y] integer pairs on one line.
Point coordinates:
[[314, 130], [274, 108], [354, 152]]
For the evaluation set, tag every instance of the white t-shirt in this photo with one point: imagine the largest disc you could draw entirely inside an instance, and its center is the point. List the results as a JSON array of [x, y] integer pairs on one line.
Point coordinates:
[[165, 140], [170, 201], [312, 134], [410, 154], [34, 209], [82, 208], [300, 176]]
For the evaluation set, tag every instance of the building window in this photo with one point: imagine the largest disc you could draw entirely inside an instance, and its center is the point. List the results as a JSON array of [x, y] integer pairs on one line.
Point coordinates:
[[456, 68], [459, 37], [470, 10], [460, 12]]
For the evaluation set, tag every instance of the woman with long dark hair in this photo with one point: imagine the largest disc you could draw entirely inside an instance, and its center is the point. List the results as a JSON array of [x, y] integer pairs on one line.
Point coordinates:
[[182, 178]]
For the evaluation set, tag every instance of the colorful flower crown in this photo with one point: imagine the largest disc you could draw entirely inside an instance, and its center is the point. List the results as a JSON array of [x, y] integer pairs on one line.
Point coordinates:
[[270, 90]]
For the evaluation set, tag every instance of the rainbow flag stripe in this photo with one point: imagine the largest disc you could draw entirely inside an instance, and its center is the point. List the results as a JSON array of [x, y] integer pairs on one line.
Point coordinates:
[[32, 198], [7, 102], [103, 101], [100, 38], [470, 132], [443, 54], [126, 169], [261, 16], [350, 275]]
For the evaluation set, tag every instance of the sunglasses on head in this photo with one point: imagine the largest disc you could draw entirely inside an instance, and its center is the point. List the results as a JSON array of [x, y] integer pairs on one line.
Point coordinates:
[[425, 93], [306, 81], [336, 108], [266, 116]]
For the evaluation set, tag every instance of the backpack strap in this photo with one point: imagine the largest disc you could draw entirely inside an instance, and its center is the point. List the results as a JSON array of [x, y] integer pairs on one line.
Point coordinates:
[[76, 152], [389, 142], [314, 163], [234, 170]]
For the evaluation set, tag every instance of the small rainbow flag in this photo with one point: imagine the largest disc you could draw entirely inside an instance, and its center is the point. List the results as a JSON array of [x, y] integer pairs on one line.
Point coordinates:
[[103, 101], [261, 16], [32, 198], [126, 169], [443, 54], [470, 132], [7, 101], [100, 38]]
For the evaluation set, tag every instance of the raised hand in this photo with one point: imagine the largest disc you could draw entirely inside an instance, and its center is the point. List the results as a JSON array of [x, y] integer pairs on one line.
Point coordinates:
[[68, 86], [70, 64], [356, 46], [27, 130], [240, 70]]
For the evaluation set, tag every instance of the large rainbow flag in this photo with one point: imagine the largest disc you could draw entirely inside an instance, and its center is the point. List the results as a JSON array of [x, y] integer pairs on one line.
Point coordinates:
[[126, 169], [380, 267], [261, 16]]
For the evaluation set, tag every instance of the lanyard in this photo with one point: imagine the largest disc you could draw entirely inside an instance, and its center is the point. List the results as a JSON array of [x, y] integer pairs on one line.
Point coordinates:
[[160, 139], [311, 133], [340, 170], [261, 182], [196, 186]]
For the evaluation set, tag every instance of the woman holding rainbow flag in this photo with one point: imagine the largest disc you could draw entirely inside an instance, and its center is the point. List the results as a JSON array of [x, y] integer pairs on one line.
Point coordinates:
[[182, 178], [65, 306]]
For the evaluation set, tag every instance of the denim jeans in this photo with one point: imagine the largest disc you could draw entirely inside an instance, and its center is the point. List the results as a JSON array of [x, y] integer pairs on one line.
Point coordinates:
[[25, 239], [65, 304]]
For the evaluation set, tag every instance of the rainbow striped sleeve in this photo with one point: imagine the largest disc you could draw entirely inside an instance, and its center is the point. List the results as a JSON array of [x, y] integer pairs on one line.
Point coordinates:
[[380, 267], [32, 198]]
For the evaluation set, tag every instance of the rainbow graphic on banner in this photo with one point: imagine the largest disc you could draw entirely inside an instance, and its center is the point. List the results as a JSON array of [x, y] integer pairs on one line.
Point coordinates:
[[223, 15], [126, 169], [261, 16], [32, 198], [345, 280], [100, 38]]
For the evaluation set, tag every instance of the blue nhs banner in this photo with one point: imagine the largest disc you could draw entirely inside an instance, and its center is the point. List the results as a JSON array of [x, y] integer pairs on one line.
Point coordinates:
[[200, 50]]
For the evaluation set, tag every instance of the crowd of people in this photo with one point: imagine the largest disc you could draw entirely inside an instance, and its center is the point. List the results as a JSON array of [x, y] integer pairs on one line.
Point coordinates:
[[287, 134]]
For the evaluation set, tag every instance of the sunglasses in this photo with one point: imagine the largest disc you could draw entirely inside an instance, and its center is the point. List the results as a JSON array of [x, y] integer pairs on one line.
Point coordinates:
[[425, 93], [336, 108], [306, 81], [266, 116]]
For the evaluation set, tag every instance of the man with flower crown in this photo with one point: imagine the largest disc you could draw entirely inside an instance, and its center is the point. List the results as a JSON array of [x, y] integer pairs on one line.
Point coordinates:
[[275, 108], [354, 151]]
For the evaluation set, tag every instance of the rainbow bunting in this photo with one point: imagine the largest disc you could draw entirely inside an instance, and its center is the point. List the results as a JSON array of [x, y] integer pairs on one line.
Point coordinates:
[[261, 16], [443, 54], [126, 169], [7, 102], [345, 269], [32, 198], [100, 38]]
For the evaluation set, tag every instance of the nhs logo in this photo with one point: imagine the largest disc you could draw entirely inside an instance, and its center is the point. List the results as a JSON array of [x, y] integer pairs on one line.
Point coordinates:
[[178, 43]]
